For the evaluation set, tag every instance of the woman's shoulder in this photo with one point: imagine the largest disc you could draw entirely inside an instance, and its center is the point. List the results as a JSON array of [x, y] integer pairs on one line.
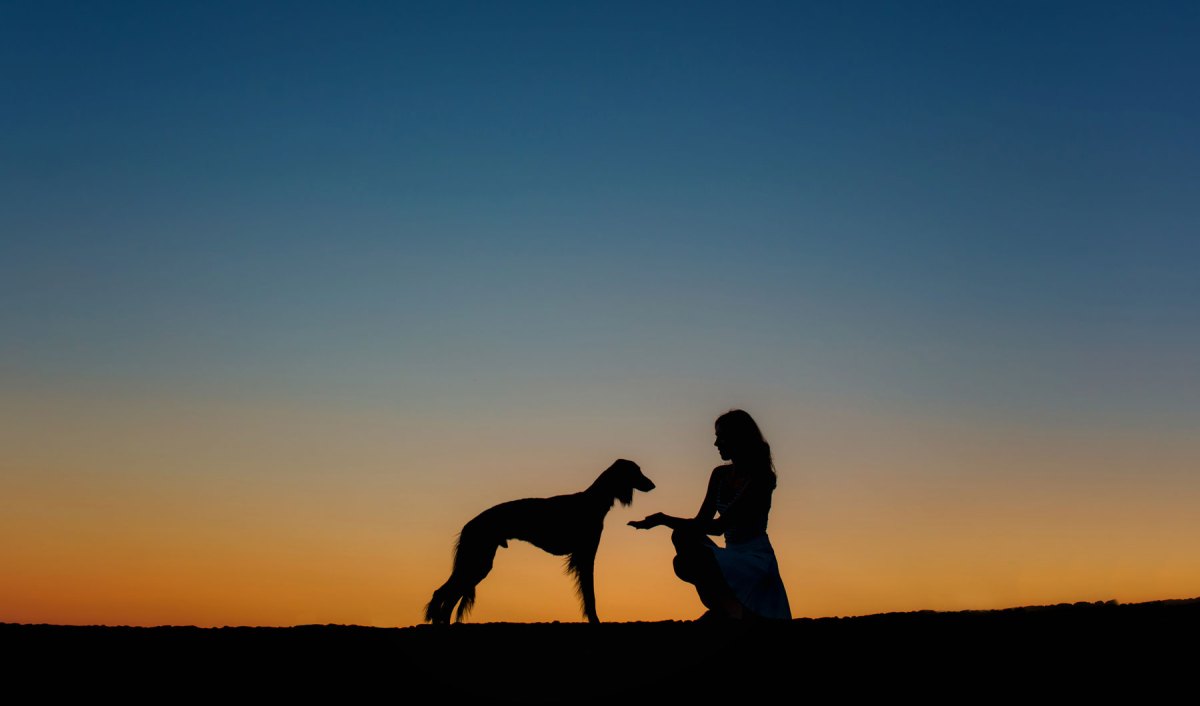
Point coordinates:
[[722, 471], [719, 474]]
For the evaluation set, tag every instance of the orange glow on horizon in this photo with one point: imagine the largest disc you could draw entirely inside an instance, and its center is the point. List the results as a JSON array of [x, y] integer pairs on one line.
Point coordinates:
[[219, 518]]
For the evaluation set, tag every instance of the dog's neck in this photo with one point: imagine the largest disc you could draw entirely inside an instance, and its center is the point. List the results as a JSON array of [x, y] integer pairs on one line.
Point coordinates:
[[600, 496], [602, 493]]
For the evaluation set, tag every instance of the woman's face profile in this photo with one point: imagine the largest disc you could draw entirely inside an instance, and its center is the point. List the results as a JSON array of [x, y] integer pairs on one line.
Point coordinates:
[[723, 443]]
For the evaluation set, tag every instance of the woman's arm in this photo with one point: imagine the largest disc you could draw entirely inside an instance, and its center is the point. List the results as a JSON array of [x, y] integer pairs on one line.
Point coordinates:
[[658, 519], [705, 520]]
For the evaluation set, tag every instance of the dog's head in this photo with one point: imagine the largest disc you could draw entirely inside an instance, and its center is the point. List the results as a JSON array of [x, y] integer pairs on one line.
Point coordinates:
[[624, 477]]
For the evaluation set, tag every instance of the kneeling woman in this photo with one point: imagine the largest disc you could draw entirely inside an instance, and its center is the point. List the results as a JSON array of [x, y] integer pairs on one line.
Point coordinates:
[[741, 579]]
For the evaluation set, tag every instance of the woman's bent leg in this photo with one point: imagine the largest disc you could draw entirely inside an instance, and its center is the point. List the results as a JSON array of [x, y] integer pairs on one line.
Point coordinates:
[[694, 562]]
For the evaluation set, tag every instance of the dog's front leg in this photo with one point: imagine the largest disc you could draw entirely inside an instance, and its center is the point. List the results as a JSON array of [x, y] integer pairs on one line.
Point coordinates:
[[584, 564]]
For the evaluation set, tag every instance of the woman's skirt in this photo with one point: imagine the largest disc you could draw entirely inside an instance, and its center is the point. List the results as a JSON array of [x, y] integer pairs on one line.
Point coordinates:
[[752, 572]]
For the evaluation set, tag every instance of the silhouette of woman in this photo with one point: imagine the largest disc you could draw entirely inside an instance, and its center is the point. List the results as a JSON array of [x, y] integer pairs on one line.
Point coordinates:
[[741, 579]]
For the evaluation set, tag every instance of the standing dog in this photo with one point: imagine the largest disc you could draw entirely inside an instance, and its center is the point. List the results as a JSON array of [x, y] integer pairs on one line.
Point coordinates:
[[562, 525]]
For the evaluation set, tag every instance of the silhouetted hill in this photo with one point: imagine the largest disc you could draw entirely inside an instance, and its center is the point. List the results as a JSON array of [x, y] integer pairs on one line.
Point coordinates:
[[1143, 650]]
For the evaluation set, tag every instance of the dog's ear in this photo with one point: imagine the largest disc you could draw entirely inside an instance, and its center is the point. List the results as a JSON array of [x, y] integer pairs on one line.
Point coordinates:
[[634, 477], [620, 480]]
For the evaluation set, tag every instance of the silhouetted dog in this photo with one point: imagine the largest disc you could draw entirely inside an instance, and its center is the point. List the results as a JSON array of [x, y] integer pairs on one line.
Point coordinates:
[[562, 525]]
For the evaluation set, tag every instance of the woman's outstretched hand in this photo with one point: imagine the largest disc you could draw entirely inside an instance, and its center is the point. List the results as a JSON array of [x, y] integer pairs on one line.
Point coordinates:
[[654, 520]]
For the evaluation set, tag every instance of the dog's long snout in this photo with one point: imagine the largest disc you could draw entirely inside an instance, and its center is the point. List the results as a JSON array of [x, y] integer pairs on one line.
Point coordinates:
[[645, 485]]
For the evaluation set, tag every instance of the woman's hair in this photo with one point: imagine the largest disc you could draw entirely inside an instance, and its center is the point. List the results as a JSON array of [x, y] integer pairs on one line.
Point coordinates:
[[753, 450]]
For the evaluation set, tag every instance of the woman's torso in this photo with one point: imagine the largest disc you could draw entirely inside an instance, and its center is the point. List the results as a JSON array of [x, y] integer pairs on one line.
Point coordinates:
[[743, 500]]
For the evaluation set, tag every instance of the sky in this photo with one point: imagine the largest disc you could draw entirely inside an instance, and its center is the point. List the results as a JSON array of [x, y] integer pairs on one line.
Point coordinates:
[[291, 291]]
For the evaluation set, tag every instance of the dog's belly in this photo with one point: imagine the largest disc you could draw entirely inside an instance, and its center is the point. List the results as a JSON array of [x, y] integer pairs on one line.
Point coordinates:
[[556, 548]]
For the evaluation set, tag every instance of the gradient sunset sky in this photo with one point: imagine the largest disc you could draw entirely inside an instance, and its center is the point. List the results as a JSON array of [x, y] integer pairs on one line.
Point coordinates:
[[290, 291]]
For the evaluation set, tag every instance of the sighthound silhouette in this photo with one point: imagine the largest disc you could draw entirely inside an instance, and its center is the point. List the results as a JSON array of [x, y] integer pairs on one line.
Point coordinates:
[[567, 525]]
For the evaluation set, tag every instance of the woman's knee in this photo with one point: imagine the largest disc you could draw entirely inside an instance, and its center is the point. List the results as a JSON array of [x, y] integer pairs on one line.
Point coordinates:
[[683, 568]]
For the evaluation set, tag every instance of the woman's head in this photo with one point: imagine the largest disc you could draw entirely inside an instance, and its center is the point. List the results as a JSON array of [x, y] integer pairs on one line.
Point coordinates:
[[739, 440]]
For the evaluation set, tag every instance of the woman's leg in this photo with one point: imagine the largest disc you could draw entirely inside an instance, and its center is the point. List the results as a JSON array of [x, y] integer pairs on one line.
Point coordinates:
[[694, 562]]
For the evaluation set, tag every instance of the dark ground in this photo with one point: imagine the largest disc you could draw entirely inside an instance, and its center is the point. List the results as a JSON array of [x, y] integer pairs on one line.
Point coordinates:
[[1145, 651]]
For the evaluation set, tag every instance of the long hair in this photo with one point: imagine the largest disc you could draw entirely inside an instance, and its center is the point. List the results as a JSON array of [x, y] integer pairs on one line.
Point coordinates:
[[752, 449]]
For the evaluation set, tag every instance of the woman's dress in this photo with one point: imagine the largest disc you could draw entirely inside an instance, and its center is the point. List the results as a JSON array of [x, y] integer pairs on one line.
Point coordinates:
[[747, 560]]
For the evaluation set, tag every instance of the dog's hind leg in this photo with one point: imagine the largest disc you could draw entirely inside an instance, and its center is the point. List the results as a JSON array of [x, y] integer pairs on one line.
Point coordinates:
[[440, 607], [473, 560], [466, 604], [468, 579]]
